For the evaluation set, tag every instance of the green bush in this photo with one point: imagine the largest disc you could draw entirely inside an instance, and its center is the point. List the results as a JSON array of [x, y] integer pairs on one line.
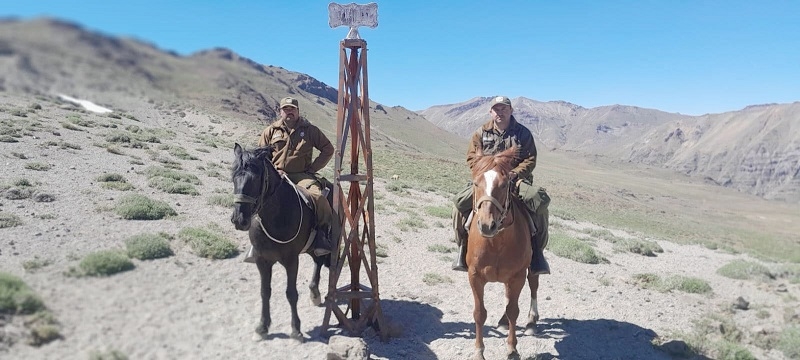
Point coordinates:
[[207, 244], [44, 333], [690, 285], [572, 248], [441, 248], [172, 186], [435, 279], [16, 297], [636, 246], [682, 283], [120, 186], [35, 264], [37, 166], [171, 181], [105, 263], [155, 171], [221, 200], [439, 211], [140, 207], [9, 220], [789, 342], [111, 178], [23, 183], [108, 355], [727, 350], [148, 247], [743, 270]]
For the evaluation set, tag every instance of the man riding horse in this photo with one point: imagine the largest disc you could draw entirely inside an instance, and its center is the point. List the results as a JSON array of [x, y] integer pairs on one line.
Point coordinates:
[[294, 139], [502, 132]]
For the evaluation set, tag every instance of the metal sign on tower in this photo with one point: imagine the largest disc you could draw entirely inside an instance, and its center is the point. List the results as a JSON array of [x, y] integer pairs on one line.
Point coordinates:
[[355, 205]]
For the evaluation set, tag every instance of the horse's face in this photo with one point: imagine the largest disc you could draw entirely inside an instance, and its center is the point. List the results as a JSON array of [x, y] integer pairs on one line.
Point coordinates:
[[249, 181], [491, 201]]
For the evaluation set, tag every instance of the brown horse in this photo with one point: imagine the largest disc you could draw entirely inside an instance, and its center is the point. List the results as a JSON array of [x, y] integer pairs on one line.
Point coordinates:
[[499, 241]]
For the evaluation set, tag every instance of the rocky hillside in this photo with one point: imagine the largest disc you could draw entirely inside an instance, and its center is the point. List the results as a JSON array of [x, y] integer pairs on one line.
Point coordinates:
[[754, 150], [48, 57]]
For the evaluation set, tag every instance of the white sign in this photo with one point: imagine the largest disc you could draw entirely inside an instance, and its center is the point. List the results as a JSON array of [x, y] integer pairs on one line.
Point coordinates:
[[353, 15]]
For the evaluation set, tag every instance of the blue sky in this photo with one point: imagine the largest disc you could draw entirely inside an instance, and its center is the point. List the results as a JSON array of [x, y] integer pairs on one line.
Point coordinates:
[[687, 56]]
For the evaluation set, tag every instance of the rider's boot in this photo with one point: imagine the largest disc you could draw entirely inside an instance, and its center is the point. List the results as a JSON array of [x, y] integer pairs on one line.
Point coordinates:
[[460, 264], [539, 264], [322, 242]]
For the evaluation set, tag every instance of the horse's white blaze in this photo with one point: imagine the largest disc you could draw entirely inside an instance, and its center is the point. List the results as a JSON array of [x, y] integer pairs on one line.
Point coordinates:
[[488, 178]]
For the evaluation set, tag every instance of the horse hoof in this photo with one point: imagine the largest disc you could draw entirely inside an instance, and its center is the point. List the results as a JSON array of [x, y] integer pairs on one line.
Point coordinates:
[[530, 330], [261, 333], [316, 299], [298, 337], [503, 323], [478, 355], [514, 355]]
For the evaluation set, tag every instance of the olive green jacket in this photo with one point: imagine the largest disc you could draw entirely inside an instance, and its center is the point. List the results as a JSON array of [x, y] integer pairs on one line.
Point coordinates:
[[294, 148], [491, 140]]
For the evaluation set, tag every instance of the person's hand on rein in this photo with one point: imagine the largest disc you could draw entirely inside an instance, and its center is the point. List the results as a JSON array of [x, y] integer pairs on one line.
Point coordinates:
[[512, 177]]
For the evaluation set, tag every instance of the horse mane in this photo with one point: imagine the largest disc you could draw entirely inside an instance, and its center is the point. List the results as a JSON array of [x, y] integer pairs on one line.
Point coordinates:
[[248, 156], [502, 161]]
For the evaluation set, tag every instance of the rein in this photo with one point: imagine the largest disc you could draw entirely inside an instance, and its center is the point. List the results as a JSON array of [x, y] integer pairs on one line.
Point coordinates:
[[504, 208], [242, 198], [299, 223]]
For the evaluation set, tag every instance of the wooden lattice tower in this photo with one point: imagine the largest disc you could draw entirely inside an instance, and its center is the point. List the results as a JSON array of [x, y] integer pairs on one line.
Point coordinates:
[[355, 209]]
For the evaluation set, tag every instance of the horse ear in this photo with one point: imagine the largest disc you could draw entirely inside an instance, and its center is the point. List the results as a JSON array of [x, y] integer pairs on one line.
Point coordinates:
[[265, 152], [237, 149]]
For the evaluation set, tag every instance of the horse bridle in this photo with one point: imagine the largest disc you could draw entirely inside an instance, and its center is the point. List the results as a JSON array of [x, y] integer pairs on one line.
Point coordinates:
[[246, 199], [503, 208]]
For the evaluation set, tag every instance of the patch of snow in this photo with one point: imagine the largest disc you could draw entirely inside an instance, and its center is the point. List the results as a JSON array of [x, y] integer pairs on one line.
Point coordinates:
[[88, 105]]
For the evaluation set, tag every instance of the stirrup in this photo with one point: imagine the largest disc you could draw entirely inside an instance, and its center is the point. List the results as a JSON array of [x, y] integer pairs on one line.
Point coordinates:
[[250, 257], [319, 252]]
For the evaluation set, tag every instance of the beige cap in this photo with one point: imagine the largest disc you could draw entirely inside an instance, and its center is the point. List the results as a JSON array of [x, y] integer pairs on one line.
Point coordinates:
[[500, 100], [288, 101]]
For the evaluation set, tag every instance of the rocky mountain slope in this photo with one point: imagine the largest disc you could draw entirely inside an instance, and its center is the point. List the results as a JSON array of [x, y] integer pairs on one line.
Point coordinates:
[[48, 57], [754, 150]]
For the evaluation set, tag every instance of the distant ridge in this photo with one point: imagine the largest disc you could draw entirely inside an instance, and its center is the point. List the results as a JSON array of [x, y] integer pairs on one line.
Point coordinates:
[[755, 150]]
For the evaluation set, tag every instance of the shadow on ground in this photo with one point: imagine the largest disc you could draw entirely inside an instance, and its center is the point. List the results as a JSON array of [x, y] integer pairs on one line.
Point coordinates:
[[598, 339], [574, 339]]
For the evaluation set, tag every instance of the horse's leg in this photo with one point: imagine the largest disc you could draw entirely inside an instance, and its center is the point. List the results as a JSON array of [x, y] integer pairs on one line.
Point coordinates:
[[265, 269], [533, 313], [291, 294], [513, 289], [316, 299], [478, 313]]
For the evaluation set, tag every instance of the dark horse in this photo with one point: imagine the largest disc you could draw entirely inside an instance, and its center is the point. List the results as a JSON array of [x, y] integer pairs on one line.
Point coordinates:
[[499, 241], [279, 233]]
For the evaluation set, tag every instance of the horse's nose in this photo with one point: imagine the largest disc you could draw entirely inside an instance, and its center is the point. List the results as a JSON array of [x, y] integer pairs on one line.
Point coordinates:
[[239, 221], [488, 229]]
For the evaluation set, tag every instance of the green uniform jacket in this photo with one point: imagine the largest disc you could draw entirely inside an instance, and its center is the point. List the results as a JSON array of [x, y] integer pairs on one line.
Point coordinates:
[[491, 141], [293, 148]]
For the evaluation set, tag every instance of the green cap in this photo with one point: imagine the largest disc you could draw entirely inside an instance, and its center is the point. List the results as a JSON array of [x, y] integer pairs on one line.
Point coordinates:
[[500, 100], [288, 101]]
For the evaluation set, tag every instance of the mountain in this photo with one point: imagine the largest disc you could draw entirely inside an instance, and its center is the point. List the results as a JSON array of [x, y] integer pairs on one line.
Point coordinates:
[[754, 150], [47, 57]]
